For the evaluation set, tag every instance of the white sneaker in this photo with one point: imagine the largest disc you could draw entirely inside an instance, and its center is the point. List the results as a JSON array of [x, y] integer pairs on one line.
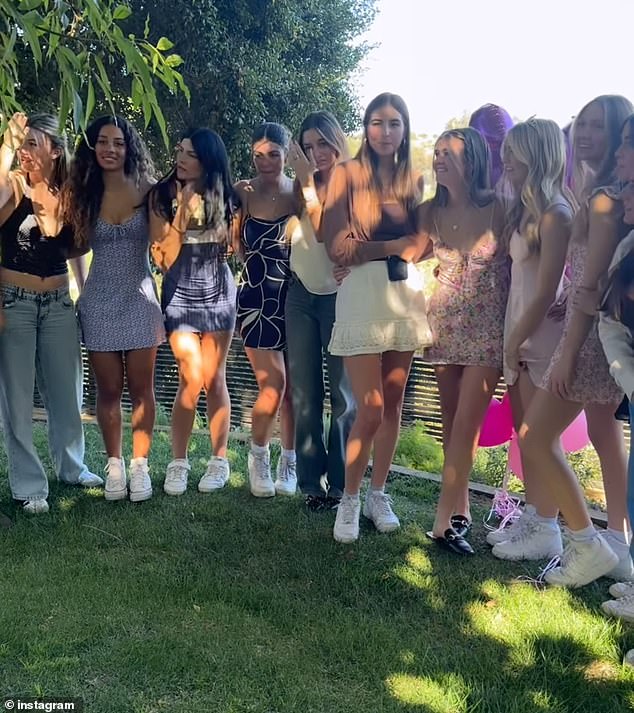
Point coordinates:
[[628, 659], [38, 506], [346, 527], [378, 508], [286, 481], [621, 589], [116, 487], [533, 540], [260, 480], [140, 483], [216, 476], [582, 563], [624, 571], [175, 482], [621, 608], [512, 529], [90, 480]]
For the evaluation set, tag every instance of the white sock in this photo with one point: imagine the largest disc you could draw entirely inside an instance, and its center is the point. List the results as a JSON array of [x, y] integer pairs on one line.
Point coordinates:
[[289, 454], [588, 533], [354, 498], [618, 535], [259, 450], [138, 461], [549, 521], [377, 491]]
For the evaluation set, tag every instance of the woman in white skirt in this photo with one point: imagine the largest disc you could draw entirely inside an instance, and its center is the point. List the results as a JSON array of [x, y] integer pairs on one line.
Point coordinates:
[[370, 225]]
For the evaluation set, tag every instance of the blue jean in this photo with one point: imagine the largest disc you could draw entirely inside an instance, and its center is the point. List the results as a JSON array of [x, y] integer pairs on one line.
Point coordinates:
[[309, 319], [40, 338], [630, 479]]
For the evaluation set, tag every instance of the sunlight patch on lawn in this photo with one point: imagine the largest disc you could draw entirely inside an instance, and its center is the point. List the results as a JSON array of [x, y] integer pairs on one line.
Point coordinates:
[[417, 571], [447, 696], [67, 504]]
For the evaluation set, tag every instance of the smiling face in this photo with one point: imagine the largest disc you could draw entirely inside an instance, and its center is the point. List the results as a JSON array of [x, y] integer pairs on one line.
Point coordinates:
[[627, 197], [385, 131], [590, 134], [625, 154], [188, 168], [37, 153], [514, 170], [448, 163], [316, 147], [110, 148], [268, 158]]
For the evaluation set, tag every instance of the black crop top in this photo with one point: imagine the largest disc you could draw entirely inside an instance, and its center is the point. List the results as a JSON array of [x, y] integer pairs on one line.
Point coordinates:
[[24, 249]]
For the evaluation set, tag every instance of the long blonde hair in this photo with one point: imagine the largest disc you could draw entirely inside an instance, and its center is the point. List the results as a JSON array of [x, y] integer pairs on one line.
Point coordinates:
[[540, 145]]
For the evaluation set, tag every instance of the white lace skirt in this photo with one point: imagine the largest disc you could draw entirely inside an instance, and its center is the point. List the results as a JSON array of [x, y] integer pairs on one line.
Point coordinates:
[[374, 315]]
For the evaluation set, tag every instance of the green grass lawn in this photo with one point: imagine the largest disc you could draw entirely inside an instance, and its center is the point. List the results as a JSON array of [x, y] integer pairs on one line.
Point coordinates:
[[231, 604]]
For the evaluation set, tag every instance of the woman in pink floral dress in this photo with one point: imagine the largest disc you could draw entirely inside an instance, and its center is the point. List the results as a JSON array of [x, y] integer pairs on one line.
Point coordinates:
[[465, 313]]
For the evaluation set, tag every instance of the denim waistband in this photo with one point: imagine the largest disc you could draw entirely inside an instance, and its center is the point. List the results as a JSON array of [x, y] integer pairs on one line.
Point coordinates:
[[48, 296]]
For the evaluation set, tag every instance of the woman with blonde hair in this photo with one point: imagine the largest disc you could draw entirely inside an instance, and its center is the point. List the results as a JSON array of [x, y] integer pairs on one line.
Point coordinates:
[[578, 376], [370, 223], [310, 315], [539, 224]]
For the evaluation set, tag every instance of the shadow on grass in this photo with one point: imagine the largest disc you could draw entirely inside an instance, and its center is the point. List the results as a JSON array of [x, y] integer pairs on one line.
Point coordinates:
[[228, 603]]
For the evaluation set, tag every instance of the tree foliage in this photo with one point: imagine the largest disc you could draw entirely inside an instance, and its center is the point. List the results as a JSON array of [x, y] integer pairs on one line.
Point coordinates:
[[77, 53]]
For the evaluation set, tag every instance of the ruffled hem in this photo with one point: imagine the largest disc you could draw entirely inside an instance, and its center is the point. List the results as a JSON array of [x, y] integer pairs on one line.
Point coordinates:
[[378, 337]]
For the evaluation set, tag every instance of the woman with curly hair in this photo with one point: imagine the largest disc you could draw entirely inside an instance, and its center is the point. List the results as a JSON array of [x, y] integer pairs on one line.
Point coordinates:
[[119, 311]]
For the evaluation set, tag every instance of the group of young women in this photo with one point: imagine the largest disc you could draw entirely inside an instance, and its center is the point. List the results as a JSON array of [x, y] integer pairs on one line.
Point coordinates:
[[329, 270]]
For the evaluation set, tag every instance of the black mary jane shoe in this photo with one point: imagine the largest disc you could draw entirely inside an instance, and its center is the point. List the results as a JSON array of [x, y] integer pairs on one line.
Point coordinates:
[[461, 524], [452, 542]]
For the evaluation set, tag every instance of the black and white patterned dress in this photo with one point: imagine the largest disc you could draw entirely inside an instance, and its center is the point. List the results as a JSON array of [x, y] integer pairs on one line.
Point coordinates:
[[118, 307], [263, 283]]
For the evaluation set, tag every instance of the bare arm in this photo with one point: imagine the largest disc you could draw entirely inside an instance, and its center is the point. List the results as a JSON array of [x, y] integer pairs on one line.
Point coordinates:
[[13, 137], [166, 237], [554, 232]]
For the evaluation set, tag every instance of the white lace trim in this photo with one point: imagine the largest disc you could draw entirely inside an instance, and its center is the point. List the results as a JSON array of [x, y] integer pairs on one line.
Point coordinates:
[[376, 337]]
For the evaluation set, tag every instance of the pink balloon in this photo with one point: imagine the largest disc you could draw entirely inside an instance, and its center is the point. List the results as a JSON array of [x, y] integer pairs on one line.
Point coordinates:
[[575, 437], [497, 425], [515, 458]]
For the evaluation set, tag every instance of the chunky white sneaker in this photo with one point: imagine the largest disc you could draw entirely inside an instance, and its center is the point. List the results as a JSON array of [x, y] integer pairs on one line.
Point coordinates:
[[621, 589], [286, 480], [582, 562], [116, 487], [260, 480], [512, 529], [378, 508], [624, 571], [140, 483], [175, 482], [621, 608], [35, 507], [533, 540], [90, 480], [346, 527], [216, 476]]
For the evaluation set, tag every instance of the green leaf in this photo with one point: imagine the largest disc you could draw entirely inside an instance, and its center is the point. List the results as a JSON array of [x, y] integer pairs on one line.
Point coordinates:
[[164, 44], [90, 101], [78, 111], [173, 60], [121, 12], [29, 28]]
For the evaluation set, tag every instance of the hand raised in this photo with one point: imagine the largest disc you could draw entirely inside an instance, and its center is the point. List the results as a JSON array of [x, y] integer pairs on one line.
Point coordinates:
[[304, 167], [16, 131]]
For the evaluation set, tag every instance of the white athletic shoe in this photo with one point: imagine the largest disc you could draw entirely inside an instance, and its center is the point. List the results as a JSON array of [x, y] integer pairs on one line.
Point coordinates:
[[175, 482], [39, 506], [346, 527], [378, 508], [533, 540], [140, 483], [216, 476], [496, 536], [582, 562], [624, 570], [260, 480], [116, 485], [286, 480]]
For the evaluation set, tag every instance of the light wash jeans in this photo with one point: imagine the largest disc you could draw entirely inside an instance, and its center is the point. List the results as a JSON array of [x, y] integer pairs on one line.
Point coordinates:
[[40, 337], [309, 319], [630, 480]]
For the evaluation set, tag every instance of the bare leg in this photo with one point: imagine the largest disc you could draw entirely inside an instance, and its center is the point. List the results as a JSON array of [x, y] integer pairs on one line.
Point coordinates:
[[270, 374], [366, 382], [287, 418], [395, 368], [215, 347], [476, 389], [139, 365], [606, 435], [187, 351], [544, 461], [108, 370]]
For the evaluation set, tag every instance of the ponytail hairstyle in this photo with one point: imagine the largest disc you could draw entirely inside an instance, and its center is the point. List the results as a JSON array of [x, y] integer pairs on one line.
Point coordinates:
[[539, 144], [84, 192], [48, 125]]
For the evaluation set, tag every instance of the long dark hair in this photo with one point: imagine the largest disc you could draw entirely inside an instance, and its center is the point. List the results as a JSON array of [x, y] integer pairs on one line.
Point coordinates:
[[85, 188], [48, 125], [477, 162], [616, 302], [221, 201]]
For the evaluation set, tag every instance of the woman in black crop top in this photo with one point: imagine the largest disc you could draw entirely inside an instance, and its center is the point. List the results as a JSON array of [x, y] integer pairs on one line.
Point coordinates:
[[38, 334]]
